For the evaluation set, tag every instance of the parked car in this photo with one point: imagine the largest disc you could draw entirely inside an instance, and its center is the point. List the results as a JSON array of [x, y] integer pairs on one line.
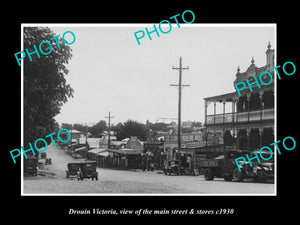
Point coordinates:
[[82, 170], [172, 167], [224, 166], [260, 172], [43, 155], [31, 166], [73, 169]]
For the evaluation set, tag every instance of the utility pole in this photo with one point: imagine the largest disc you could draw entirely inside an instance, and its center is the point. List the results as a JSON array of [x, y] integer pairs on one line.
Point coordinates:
[[86, 144], [86, 138], [179, 85], [109, 117]]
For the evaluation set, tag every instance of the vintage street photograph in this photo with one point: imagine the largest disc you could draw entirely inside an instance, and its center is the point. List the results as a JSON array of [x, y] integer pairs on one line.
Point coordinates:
[[158, 116]]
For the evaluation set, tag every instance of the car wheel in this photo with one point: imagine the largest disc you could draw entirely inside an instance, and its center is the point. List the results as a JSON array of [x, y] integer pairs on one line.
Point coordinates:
[[89, 172], [237, 175], [228, 178], [209, 174], [262, 177]]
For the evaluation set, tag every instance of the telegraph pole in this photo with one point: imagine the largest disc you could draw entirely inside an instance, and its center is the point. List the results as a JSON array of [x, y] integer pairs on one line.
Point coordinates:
[[109, 117], [179, 85], [86, 143]]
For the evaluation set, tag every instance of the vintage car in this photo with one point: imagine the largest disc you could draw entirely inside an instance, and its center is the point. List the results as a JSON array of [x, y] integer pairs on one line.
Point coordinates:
[[172, 167], [260, 171], [225, 167], [73, 169], [30, 166], [43, 155], [82, 170]]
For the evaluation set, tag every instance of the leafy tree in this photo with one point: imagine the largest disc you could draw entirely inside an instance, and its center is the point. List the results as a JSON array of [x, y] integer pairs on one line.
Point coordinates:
[[56, 127], [68, 126], [131, 128], [158, 126], [79, 127], [45, 86], [98, 128]]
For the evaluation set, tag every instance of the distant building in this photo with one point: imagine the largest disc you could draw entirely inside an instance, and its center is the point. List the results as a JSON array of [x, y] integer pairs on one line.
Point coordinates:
[[105, 133], [194, 146], [153, 153], [134, 143], [75, 134], [125, 154], [187, 124], [172, 125], [104, 136]]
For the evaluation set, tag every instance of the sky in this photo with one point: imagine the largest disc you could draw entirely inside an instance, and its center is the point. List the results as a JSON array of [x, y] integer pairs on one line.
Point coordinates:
[[109, 71]]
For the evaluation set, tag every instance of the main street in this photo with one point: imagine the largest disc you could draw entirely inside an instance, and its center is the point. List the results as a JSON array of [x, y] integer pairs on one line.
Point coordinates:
[[131, 182]]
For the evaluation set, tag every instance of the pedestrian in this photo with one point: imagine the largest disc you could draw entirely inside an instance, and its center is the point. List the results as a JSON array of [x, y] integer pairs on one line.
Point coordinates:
[[143, 164], [152, 166], [79, 172]]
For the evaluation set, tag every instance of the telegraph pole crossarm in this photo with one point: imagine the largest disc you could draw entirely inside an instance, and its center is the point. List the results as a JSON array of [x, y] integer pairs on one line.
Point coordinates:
[[109, 117]]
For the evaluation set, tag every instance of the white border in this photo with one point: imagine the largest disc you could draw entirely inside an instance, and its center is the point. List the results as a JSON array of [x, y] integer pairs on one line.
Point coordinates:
[[274, 25]]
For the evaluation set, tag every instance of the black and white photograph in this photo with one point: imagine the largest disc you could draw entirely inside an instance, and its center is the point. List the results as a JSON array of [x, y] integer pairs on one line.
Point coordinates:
[[140, 111], [149, 118]]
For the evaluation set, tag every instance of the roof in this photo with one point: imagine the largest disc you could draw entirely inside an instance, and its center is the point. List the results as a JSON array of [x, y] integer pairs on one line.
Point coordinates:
[[79, 149], [106, 132], [234, 95], [123, 151], [134, 143], [125, 139], [105, 153], [126, 151], [76, 131], [97, 150], [118, 142]]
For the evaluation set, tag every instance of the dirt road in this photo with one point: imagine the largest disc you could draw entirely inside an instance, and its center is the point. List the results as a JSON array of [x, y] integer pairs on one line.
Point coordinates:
[[131, 182]]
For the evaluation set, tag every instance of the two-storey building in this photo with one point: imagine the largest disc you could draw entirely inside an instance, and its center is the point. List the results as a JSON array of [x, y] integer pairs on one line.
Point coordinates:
[[250, 122]]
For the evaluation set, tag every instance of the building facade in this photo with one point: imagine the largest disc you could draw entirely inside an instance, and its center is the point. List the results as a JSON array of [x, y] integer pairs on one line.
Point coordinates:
[[154, 153], [250, 123]]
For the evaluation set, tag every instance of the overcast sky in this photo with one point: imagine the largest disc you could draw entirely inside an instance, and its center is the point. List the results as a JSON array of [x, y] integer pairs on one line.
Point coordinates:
[[109, 71]]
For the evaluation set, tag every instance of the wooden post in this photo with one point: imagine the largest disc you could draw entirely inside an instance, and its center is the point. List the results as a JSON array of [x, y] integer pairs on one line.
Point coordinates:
[[180, 85]]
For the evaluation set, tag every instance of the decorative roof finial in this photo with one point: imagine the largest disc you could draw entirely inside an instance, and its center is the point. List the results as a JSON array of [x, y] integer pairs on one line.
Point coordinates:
[[252, 60], [238, 69], [269, 46]]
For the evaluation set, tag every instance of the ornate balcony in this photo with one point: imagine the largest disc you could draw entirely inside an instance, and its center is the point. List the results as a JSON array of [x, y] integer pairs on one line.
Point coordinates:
[[265, 114]]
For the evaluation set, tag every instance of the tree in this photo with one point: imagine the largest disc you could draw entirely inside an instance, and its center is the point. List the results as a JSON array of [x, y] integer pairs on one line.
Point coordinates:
[[79, 127], [45, 86], [131, 128], [98, 128], [68, 126], [158, 126]]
